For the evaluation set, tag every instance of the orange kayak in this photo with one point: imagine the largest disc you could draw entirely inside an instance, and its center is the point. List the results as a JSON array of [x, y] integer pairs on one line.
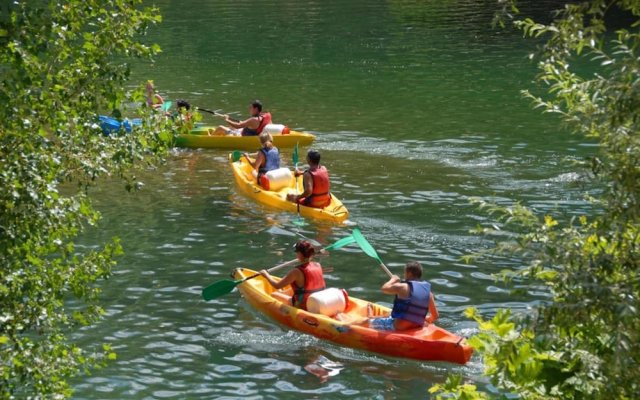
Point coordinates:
[[430, 343]]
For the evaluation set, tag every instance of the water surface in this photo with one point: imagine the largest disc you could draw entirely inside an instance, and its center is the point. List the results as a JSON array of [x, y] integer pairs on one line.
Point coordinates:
[[416, 107]]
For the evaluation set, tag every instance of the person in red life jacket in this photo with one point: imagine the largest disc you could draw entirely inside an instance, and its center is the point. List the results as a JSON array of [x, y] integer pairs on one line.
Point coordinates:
[[266, 159], [251, 126], [154, 100], [413, 301], [315, 183], [305, 279]]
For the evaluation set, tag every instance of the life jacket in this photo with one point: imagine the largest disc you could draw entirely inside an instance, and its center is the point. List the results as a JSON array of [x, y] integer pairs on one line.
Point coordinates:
[[313, 282], [265, 118], [415, 308], [271, 159], [320, 197]]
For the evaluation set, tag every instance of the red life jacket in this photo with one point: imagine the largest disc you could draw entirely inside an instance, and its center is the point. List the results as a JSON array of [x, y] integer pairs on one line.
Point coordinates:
[[320, 197], [313, 282], [266, 119]]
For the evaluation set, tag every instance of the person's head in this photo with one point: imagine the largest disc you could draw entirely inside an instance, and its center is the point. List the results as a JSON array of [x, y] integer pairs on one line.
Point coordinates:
[[265, 137], [255, 108], [149, 86], [412, 271], [183, 104], [313, 157], [304, 249]]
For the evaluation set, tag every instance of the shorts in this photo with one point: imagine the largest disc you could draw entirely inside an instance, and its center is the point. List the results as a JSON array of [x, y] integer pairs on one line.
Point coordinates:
[[382, 324]]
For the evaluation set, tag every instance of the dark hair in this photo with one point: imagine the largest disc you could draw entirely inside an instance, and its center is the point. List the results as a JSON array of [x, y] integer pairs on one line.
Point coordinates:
[[305, 248], [314, 156], [183, 103], [414, 268], [257, 104]]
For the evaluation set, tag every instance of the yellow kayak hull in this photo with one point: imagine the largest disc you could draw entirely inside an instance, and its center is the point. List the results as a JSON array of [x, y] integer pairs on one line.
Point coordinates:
[[336, 211], [430, 343], [199, 138]]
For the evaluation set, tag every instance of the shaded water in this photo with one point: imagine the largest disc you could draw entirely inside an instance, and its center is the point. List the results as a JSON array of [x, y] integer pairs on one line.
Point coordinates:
[[416, 108]]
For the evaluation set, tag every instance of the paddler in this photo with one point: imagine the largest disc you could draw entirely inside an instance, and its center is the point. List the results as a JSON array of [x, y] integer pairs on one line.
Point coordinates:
[[315, 182], [251, 126], [154, 100], [266, 159], [413, 301], [305, 279]]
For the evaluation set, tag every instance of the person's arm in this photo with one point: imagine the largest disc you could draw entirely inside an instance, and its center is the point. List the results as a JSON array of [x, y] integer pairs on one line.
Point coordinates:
[[251, 123], [396, 286], [307, 185], [258, 161], [433, 310], [287, 280]]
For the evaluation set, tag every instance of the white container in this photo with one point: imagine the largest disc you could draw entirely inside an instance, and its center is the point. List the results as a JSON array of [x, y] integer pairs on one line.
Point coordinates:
[[276, 129], [276, 179], [328, 302]]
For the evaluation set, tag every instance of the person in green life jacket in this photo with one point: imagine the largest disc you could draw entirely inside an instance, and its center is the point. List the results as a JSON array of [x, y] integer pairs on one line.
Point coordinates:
[[315, 183], [413, 301], [251, 126], [305, 279], [266, 159]]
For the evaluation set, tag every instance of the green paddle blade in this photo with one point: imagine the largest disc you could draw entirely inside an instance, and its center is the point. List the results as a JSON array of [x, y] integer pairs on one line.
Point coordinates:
[[341, 243], [235, 156], [294, 156], [166, 105], [364, 245], [219, 288]]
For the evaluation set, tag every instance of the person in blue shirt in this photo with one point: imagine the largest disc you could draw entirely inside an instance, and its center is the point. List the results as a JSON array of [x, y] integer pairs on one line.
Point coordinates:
[[413, 301], [266, 159]]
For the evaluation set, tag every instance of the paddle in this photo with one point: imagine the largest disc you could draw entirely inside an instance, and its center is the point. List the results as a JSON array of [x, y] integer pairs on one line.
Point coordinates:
[[166, 105], [368, 249], [295, 158], [225, 286], [217, 114]]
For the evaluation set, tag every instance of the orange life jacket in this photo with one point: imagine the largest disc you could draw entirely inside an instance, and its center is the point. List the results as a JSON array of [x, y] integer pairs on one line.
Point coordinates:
[[313, 282], [320, 197]]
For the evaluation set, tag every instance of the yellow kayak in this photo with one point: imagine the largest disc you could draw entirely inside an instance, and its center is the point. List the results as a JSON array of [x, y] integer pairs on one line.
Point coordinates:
[[336, 211], [199, 138], [430, 343]]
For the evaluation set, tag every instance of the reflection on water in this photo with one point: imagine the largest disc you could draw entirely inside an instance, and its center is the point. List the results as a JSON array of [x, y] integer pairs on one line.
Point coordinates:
[[416, 108]]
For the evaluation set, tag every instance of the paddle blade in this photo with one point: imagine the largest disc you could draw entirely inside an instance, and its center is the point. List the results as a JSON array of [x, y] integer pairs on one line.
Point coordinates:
[[219, 288], [364, 245], [294, 156], [341, 243], [166, 105], [235, 156]]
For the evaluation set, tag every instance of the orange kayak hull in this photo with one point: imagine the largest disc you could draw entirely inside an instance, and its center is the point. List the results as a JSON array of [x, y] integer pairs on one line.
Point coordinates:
[[430, 343]]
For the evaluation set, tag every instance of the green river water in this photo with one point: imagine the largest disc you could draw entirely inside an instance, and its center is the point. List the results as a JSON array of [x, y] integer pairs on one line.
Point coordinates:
[[416, 108]]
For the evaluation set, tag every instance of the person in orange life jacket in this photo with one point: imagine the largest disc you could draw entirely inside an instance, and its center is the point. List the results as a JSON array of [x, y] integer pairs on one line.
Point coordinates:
[[413, 301], [315, 183], [304, 279], [266, 159], [182, 112], [251, 126], [154, 100]]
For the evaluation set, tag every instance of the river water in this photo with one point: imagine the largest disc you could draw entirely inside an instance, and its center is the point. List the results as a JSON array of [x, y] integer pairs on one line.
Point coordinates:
[[416, 107]]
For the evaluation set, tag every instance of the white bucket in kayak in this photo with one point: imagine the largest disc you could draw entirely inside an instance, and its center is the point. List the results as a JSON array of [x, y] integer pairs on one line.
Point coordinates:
[[276, 179], [328, 302], [276, 129]]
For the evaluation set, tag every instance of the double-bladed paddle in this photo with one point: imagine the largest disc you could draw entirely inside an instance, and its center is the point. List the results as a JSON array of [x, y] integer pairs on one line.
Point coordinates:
[[368, 249], [217, 114], [295, 158], [225, 286]]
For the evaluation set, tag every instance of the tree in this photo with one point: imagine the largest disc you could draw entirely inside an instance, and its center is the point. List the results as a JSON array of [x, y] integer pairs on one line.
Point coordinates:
[[60, 63], [585, 342]]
